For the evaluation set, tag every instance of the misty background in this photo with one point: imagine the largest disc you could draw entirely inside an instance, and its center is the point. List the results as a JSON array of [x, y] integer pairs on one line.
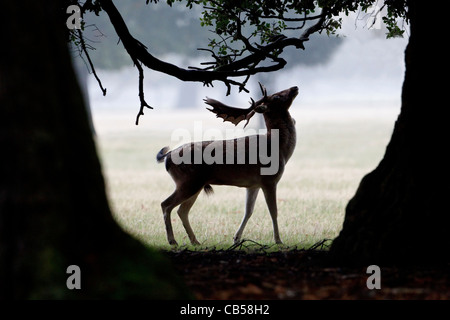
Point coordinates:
[[359, 70], [349, 99]]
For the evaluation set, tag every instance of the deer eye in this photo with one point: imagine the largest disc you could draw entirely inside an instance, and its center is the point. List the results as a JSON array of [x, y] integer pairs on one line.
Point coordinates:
[[276, 98]]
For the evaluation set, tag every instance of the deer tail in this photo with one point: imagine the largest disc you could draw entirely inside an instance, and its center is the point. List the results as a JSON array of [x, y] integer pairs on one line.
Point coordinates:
[[208, 190], [162, 154]]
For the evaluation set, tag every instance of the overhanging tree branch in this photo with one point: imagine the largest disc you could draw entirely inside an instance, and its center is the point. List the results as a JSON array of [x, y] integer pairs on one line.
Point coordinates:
[[137, 50], [219, 70]]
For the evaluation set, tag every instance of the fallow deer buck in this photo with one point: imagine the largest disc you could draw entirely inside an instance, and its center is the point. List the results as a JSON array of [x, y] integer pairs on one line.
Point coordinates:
[[238, 165]]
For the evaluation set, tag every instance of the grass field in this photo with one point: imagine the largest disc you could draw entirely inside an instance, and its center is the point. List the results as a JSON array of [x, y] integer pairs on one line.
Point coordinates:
[[335, 149]]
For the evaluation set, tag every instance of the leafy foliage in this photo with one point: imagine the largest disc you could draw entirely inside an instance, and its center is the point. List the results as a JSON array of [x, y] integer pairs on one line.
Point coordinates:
[[236, 23]]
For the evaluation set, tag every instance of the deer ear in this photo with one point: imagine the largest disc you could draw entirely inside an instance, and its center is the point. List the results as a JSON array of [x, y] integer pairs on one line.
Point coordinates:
[[261, 108], [227, 113]]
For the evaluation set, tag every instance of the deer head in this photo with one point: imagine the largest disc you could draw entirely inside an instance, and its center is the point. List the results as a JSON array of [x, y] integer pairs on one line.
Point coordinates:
[[275, 102]]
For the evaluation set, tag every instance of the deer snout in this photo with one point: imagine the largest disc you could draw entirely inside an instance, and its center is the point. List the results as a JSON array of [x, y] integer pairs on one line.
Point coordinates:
[[293, 91]]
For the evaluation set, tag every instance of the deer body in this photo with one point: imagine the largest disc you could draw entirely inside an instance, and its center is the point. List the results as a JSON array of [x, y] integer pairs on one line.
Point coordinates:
[[252, 162]]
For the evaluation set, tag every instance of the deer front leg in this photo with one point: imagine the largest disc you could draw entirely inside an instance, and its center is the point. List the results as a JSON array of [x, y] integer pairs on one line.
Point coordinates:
[[252, 193], [270, 193]]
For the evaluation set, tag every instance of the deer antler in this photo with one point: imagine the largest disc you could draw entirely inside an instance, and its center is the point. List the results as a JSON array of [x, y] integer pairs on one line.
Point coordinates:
[[232, 114], [227, 113], [263, 90]]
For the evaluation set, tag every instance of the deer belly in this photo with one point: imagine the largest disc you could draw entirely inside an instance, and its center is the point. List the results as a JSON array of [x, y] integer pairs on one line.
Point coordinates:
[[236, 175]]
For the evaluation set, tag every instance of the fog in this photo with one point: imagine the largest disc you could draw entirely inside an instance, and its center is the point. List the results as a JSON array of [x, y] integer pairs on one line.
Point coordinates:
[[364, 73]]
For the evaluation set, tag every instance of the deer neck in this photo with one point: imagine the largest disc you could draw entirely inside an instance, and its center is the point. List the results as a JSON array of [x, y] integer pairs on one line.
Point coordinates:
[[285, 125]]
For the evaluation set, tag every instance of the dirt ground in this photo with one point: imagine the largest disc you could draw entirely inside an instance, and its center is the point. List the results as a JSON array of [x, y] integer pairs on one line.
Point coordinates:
[[300, 274]]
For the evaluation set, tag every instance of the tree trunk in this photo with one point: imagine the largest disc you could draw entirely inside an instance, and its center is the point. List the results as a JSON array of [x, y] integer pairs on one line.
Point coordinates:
[[53, 207], [398, 214]]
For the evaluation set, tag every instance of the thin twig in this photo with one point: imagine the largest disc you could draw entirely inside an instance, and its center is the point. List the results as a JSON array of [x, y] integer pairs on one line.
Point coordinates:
[[144, 103], [240, 244], [319, 245], [83, 48]]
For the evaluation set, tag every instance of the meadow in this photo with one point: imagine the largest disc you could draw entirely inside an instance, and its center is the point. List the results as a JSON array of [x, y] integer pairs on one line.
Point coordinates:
[[335, 149]]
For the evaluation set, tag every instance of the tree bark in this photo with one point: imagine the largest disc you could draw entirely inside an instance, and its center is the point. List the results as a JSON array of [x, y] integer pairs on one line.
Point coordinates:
[[53, 208], [398, 214]]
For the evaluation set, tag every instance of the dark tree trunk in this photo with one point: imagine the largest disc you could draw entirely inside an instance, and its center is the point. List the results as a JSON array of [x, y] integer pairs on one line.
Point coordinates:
[[399, 213], [53, 207]]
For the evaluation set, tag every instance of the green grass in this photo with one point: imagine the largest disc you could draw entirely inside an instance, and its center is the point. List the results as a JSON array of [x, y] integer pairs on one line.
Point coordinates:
[[333, 153]]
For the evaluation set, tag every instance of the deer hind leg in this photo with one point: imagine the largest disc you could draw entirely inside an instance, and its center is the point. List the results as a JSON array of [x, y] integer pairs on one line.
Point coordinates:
[[252, 193], [183, 213], [180, 195], [270, 193]]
